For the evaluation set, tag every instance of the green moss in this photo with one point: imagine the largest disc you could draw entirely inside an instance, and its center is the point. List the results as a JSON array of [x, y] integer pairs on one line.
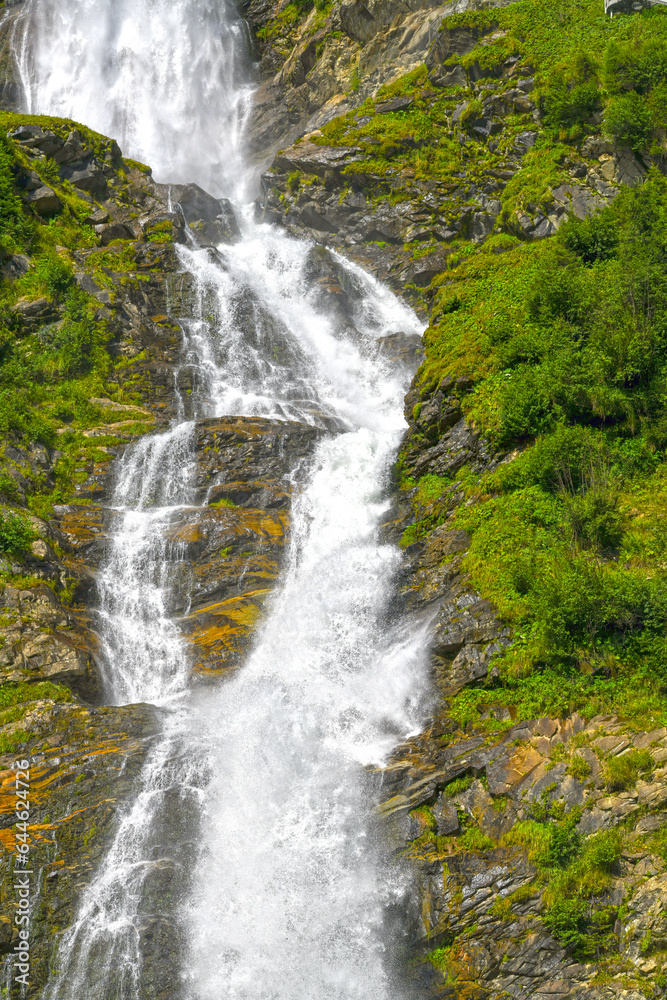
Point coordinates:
[[10, 741], [458, 786]]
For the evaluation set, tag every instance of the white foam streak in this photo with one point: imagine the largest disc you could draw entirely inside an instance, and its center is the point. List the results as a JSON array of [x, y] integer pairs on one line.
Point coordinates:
[[293, 887], [143, 654]]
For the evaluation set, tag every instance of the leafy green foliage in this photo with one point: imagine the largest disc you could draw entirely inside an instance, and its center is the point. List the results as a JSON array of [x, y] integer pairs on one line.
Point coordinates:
[[15, 229], [565, 347], [576, 872], [628, 121], [54, 273], [16, 533]]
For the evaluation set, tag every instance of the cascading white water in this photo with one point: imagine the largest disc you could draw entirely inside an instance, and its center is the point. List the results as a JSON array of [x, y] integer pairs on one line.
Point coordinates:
[[165, 79], [287, 895]]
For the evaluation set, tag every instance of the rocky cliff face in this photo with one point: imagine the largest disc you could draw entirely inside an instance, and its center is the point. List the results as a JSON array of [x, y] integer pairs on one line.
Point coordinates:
[[429, 151]]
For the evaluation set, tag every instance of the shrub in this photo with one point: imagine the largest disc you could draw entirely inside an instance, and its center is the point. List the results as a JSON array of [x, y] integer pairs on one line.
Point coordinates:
[[16, 231], [16, 534], [55, 273], [628, 121], [592, 239], [572, 92], [638, 63]]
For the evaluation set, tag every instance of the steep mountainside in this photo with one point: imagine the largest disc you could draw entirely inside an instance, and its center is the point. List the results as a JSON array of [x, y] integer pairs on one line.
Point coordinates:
[[528, 488], [501, 165]]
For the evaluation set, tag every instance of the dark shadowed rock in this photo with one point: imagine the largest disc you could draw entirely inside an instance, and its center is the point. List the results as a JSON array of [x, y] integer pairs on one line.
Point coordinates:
[[43, 200], [113, 231], [195, 203], [224, 228]]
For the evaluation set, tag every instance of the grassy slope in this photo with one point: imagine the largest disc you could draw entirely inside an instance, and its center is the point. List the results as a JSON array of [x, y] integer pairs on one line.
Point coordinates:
[[565, 345], [49, 375]]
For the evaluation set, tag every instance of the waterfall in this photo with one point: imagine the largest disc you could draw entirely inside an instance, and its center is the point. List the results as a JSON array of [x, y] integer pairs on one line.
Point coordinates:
[[165, 78], [280, 881]]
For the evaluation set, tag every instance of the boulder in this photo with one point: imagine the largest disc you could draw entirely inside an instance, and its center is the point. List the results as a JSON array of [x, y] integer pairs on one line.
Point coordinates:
[[43, 200], [87, 178], [224, 228], [422, 271], [16, 266], [113, 231], [35, 312], [196, 204], [163, 224], [314, 159]]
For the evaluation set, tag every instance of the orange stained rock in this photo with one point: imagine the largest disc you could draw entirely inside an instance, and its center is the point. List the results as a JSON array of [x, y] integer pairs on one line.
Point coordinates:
[[242, 521], [43, 776], [222, 631]]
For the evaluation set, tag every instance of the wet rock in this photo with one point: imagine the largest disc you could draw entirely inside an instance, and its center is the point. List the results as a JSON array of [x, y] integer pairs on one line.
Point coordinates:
[[236, 551], [159, 225], [195, 203], [405, 348], [84, 764], [224, 228]]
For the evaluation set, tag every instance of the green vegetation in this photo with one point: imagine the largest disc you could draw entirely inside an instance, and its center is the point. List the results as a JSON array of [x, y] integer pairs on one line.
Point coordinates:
[[574, 874], [16, 533], [16, 694], [52, 364], [623, 771], [15, 700], [564, 345], [591, 73], [458, 786]]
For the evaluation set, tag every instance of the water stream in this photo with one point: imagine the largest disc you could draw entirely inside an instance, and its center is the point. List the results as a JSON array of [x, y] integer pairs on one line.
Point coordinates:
[[254, 814]]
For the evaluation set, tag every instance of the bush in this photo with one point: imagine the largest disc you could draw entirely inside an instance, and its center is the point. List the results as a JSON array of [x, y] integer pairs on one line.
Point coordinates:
[[16, 534], [563, 846], [55, 273], [572, 92], [628, 121], [16, 231], [638, 63], [593, 239]]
